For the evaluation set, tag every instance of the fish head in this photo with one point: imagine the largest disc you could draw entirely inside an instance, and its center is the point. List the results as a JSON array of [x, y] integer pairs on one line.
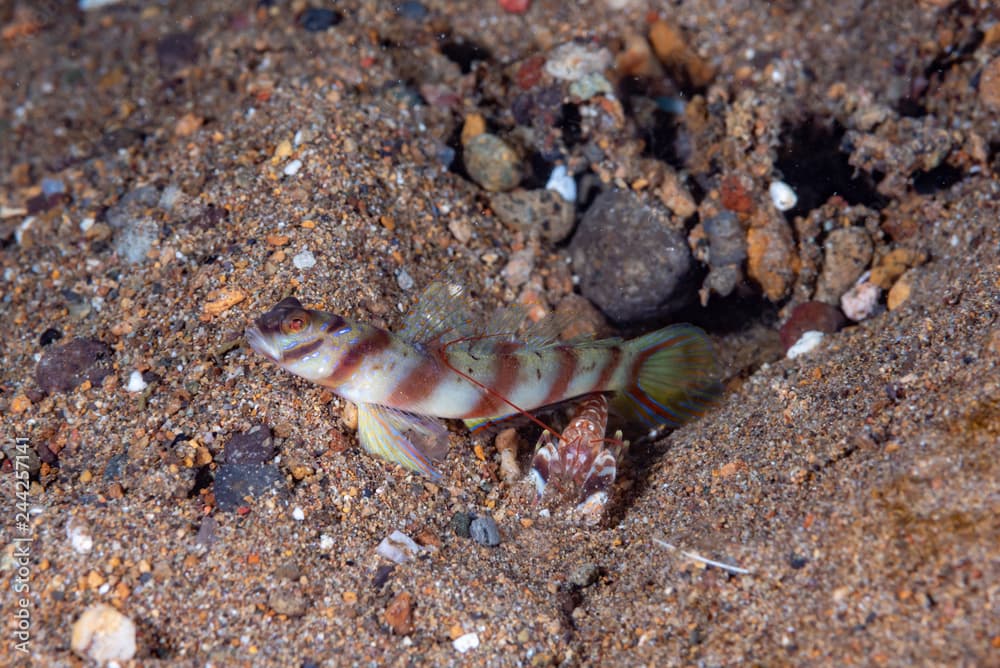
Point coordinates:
[[305, 342]]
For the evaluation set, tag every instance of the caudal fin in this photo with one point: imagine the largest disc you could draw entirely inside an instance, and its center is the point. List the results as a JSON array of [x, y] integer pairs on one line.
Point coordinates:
[[676, 378]]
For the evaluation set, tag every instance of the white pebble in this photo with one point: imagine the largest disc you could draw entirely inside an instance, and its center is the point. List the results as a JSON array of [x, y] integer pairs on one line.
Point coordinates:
[[806, 342], [135, 382], [86, 224], [298, 514], [782, 195], [304, 260], [404, 279], [103, 634], [571, 60], [562, 182], [398, 547], [293, 167], [79, 536], [326, 542], [860, 302], [465, 643]]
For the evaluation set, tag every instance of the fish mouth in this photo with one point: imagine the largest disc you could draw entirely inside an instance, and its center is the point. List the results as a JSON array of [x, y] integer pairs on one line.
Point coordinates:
[[262, 344]]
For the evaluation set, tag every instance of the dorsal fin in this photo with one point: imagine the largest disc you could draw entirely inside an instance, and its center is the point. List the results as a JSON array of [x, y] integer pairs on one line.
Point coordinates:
[[440, 313]]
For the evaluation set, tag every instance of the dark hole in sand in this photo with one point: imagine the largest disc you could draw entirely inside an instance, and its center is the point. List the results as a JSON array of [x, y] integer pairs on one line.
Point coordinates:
[[464, 53], [941, 177], [811, 161], [570, 124]]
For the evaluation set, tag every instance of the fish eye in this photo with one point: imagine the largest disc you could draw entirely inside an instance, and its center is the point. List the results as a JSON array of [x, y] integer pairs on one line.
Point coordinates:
[[294, 323]]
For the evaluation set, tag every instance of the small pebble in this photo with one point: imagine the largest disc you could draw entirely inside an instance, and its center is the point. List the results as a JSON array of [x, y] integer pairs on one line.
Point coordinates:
[[304, 260], [234, 482], [542, 210], [771, 254], [135, 382], [466, 642], [492, 163], [861, 301], [404, 280], [782, 195], [810, 316], [518, 269], [79, 535], [255, 446], [900, 291], [585, 575], [572, 61], [292, 168], [484, 531], [398, 547], [399, 614], [562, 182], [726, 240], [317, 19], [806, 342], [589, 86], [297, 514], [460, 524], [103, 634], [846, 254], [288, 600], [64, 367]]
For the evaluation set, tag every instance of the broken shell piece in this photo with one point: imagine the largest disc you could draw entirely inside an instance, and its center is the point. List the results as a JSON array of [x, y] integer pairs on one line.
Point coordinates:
[[782, 195]]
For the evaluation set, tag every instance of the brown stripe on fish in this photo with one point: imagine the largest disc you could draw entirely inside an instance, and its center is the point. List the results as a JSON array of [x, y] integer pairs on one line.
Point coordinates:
[[418, 384], [372, 344], [565, 369], [506, 367], [610, 366], [298, 352]]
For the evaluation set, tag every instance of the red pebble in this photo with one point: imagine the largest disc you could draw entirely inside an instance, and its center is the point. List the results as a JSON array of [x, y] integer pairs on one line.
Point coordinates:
[[810, 317], [530, 72], [515, 6], [735, 192]]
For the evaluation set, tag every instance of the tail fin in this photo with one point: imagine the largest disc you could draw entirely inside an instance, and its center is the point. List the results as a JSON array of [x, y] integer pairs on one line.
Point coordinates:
[[675, 380]]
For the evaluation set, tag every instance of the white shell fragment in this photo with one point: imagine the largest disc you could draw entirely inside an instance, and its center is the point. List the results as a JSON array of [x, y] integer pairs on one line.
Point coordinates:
[[806, 342], [135, 382], [103, 634], [571, 61], [304, 260], [78, 533], [293, 167], [398, 547], [562, 182], [782, 195], [466, 642]]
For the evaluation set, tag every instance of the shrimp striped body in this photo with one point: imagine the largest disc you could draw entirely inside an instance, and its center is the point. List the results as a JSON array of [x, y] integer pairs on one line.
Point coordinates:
[[435, 369]]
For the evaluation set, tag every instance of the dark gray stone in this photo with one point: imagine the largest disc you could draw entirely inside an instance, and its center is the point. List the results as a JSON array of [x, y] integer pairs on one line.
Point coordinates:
[[484, 531], [235, 482], [727, 243], [631, 263], [252, 447]]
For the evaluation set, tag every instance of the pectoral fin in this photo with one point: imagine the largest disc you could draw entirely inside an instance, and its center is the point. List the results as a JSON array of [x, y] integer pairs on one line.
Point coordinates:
[[410, 440]]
